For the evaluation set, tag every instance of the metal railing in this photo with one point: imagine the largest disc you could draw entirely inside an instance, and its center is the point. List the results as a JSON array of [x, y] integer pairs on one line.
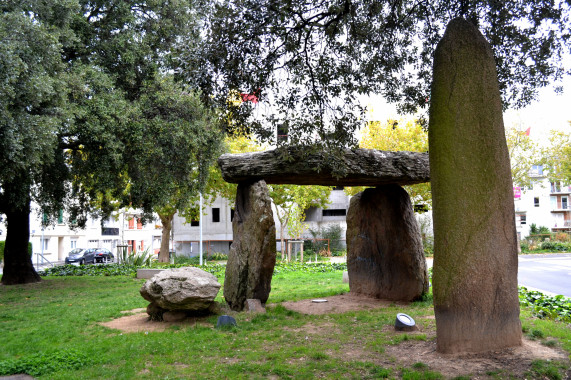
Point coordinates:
[[44, 262]]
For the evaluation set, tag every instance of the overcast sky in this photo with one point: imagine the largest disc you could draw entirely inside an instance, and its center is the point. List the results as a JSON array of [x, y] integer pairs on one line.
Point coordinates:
[[550, 111]]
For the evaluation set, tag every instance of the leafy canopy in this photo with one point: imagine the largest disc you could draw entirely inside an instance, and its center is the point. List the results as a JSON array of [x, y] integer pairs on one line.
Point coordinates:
[[313, 60]]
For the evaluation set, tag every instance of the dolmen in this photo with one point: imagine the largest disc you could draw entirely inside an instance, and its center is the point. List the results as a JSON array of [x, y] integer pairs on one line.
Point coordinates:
[[177, 293], [385, 258]]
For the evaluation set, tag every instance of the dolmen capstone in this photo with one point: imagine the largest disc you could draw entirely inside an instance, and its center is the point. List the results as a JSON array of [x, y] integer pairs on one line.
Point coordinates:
[[175, 293]]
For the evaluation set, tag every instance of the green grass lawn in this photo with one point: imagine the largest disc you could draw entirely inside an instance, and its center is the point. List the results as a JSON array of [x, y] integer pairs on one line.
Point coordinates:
[[52, 327]]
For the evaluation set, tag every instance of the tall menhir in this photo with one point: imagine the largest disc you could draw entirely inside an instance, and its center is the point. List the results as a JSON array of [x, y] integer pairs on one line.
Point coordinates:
[[475, 261]]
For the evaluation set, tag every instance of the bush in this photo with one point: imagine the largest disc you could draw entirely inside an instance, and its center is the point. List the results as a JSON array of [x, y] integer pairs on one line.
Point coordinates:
[[44, 363], [558, 307], [555, 246], [562, 237], [332, 233], [217, 256], [119, 269], [138, 259]]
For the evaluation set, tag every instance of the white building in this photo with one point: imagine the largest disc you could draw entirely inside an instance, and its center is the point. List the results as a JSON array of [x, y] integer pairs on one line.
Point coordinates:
[[124, 228], [542, 203]]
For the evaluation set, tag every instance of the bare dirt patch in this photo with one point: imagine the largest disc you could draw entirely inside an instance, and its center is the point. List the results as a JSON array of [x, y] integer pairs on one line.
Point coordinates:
[[338, 304], [140, 322], [513, 361]]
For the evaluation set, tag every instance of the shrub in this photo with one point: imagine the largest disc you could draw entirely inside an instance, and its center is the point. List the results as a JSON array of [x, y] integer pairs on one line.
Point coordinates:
[[138, 259], [562, 237], [44, 363], [217, 256], [555, 246], [558, 307]]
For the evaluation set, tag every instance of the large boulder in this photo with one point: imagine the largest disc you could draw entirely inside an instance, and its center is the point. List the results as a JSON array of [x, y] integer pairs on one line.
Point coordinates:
[[385, 257], [252, 256], [475, 246], [189, 289]]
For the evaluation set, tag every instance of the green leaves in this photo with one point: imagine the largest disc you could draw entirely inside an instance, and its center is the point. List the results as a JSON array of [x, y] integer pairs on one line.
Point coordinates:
[[44, 363], [557, 307], [312, 60]]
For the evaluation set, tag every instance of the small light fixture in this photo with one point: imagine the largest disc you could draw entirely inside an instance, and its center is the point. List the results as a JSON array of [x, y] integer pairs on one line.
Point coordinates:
[[404, 322]]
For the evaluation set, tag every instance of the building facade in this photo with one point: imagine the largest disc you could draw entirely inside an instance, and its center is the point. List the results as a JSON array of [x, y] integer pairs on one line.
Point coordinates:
[[543, 203]]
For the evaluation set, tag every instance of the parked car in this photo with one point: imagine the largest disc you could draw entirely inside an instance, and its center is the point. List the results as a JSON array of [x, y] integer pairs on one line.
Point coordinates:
[[77, 255], [103, 255]]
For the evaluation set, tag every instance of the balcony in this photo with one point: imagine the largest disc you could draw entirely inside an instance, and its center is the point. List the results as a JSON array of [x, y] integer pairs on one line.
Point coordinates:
[[562, 225], [558, 189]]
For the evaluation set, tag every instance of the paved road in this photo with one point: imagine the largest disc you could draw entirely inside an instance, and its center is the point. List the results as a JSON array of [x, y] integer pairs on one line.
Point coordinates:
[[550, 274]]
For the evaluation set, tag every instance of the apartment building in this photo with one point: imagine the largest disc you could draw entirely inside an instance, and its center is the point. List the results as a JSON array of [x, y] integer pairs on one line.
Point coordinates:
[[542, 203], [217, 225]]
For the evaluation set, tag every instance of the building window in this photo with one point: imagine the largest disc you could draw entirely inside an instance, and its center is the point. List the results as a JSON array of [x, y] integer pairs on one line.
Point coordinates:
[[335, 212], [537, 169], [215, 215], [60, 217], [73, 243], [194, 223], [523, 219], [536, 201], [131, 223], [231, 214], [139, 224], [45, 243]]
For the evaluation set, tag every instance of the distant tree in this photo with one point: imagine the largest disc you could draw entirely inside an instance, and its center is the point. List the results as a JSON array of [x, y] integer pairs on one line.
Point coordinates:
[[398, 135], [557, 157], [291, 201], [524, 153], [180, 140], [312, 60]]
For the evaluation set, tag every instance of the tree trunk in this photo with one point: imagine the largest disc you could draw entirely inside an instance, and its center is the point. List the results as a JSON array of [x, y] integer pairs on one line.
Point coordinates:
[[18, 268], [166, 221]]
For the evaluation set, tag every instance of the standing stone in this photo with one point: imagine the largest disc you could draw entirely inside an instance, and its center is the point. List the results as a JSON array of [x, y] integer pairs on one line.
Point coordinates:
[[475, 247], [385, 258], [252, 255]]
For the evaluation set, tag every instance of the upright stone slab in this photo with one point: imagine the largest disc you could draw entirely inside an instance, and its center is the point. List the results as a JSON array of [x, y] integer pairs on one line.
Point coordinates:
[[385, 258], [252, 256], [475, 247]]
